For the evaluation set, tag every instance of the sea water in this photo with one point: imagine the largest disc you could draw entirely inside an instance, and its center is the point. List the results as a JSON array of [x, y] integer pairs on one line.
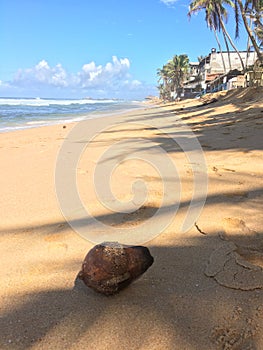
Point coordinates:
[[23, 113]]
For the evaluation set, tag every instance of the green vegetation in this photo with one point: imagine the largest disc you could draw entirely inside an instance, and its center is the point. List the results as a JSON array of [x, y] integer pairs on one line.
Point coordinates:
[[172, 76]]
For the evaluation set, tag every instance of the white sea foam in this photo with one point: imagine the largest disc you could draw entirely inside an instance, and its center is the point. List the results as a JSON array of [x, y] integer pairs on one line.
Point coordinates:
[[37, 122], [49, 102], [12, 128]]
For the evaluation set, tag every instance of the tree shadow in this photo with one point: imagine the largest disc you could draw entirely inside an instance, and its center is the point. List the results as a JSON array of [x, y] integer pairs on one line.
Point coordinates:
[[238, 129], [145, 212], [231, 130]]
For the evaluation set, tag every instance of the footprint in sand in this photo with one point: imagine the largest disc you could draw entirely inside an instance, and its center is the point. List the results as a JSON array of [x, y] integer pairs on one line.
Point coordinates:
[[233, 338], [248, 242], [238, 262]]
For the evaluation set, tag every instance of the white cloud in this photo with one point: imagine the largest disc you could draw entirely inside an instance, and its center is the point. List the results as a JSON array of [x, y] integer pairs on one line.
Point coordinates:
[[42, 73], [4, 84], [89, 67], [169, 2], [113, 79], [136, 83], [90, 75], [113, 73]]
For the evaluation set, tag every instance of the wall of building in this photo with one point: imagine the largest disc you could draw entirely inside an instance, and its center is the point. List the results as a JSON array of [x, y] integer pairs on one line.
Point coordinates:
[[216, 63]]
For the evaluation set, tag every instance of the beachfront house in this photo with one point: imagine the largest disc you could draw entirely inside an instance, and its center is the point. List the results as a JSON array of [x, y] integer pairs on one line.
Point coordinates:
[[218, 71]]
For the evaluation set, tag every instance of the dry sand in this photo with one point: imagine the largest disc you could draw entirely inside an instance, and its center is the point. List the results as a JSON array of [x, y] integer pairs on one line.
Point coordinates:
[[205, 288]]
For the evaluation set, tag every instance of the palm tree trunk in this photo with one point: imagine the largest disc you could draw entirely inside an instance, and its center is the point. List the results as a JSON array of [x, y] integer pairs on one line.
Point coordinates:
[[228, 51], [220, 49], [249, 31], [248, 42], [231, 43]]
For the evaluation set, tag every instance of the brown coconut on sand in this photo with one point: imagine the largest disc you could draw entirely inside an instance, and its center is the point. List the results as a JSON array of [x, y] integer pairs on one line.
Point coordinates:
[[110, 266]]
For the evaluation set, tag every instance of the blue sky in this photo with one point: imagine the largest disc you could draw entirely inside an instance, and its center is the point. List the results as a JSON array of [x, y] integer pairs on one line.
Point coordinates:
[[96, 48]]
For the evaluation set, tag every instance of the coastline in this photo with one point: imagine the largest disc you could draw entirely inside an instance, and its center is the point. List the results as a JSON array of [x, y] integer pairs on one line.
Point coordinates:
[[20, 114], [195, 295]]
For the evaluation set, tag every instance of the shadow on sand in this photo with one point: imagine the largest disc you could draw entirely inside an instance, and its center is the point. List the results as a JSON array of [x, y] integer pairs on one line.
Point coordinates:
[[172, 303]]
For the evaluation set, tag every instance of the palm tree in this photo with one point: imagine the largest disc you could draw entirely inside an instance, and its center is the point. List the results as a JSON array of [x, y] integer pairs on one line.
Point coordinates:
[[211, 20], [216, 14], [162, 91], [248, 41], [172, 75], [164, 88], [177, 69], [259, 33], [162, 74], [259, 24], [200, 58], [228, 51], [252, 9]]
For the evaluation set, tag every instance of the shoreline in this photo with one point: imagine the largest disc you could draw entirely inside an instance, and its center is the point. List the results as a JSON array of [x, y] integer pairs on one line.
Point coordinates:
[[72, 122], [205, 288], [75, 115]]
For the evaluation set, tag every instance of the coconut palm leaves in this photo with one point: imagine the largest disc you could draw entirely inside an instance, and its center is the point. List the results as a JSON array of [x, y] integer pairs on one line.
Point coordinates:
[[211, 19], [172, 76], [216, 16], [252, 11]]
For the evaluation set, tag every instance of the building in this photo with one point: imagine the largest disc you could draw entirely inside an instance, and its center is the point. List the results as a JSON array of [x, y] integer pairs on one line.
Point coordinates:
[[218, 71]]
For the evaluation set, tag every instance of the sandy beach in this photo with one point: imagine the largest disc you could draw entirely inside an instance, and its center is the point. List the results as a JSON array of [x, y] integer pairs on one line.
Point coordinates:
[[205, 288]]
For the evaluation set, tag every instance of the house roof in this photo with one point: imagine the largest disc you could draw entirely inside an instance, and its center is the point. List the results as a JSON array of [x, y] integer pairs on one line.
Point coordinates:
[[212, 76]]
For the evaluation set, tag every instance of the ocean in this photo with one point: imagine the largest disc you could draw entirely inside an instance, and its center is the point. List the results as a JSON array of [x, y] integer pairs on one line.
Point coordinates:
[[24, 113]]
